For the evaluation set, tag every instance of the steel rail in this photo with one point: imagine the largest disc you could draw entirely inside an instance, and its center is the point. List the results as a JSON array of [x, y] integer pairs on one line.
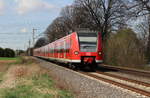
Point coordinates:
[[122, 85], [127, 70], [125, 79], [137, 90]]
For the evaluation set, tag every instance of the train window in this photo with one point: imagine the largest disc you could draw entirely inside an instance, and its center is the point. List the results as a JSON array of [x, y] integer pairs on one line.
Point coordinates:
[[88, 41]]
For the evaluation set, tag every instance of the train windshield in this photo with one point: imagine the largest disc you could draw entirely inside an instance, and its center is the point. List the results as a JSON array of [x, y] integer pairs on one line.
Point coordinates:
[[88, 41]]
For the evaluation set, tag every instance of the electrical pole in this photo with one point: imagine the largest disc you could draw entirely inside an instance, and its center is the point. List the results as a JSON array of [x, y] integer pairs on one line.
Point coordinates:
[[29, 52], [33, 36], [24, 46], [29, 43]]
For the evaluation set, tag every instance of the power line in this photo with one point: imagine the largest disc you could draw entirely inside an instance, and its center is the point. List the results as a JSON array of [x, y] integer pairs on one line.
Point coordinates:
[[9, 42], [39, 35], [16, 33]]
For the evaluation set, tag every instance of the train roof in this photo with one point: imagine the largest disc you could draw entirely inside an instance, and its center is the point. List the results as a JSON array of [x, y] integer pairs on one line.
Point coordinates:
[[81, 30]]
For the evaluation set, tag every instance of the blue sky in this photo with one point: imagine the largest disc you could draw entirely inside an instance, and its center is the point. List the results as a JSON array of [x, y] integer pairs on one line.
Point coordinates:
[[18, 17]]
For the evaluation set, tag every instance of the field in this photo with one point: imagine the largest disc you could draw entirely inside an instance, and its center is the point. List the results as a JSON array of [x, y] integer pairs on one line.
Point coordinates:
[[6, 58], [23, 78]]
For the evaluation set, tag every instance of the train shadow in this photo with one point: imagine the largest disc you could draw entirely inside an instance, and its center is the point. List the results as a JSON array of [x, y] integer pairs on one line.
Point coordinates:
[[99, 68]]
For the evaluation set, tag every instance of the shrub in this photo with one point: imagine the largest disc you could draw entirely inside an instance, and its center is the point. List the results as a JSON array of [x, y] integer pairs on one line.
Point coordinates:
[[1, 52], [9, 53], [124, 48]]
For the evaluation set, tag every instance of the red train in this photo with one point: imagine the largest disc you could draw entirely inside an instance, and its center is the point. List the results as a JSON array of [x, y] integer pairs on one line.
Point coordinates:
[[82, 48]]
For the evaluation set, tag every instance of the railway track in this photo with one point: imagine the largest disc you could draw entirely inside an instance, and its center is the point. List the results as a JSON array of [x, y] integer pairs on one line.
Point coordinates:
[[139, 87], [127, 70]]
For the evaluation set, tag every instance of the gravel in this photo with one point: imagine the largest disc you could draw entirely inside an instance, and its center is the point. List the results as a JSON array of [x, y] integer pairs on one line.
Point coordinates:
[[138, 86], [85, 86]]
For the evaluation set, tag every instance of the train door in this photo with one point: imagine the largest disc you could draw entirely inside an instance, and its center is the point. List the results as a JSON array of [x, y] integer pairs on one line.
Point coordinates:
[[48, 50], [64, 50], [68, 46], [61, 49], [58, 50], [55, 50], [52, 52]]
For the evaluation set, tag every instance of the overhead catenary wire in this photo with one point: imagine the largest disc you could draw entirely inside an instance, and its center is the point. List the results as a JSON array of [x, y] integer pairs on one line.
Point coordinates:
[[18, 37]]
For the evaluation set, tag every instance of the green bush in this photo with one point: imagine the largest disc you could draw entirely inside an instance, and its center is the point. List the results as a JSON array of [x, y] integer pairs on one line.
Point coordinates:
[[124, 48], [1, 52], [9, 53]]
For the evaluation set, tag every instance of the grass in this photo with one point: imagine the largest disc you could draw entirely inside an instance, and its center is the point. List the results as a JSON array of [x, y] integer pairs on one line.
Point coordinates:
[[41, 87], [7, 58], [30, 83], [23, 60], [1, 76], [23, 91]]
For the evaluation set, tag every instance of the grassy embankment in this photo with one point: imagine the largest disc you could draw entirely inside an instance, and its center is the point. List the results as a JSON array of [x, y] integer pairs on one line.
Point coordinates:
[[24, 79]]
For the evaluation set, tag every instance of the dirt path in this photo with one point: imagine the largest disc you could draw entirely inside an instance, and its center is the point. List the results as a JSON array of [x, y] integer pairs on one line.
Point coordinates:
[[4, 64], [6, 61]]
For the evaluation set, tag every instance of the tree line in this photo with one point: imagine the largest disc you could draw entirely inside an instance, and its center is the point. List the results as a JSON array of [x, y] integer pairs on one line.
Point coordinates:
[[7, 52], [112, 18], [102, 15]]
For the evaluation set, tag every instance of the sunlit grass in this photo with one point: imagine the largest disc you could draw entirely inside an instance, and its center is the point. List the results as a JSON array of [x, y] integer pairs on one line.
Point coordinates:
[[41, 87], [23, 60], [7, 58], [31, 81]]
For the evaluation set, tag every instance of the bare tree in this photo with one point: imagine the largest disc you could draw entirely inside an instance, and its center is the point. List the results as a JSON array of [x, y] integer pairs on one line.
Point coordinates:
[[82, 18], [143, 29], [67, 15], [106, 14], [101, 15], [56, 30], [76, 17], [41, 42], [141, 8]]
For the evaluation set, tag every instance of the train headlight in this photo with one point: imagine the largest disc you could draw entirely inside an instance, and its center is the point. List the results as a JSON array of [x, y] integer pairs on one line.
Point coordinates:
[[76, 52], [99, 53]]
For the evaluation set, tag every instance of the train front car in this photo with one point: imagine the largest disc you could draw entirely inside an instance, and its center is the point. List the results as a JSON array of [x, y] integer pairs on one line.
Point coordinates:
[[87, 48]]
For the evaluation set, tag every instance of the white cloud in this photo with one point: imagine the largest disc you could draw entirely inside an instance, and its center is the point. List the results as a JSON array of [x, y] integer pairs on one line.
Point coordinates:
[[24, 6], [1, 7], [24, 30]]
